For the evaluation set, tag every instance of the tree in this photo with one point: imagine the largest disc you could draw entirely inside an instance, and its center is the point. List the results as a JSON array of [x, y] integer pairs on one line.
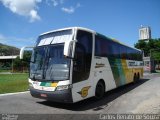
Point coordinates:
[[142, 45], [22, 65], [153, 47], [17, 64], [6, 50]]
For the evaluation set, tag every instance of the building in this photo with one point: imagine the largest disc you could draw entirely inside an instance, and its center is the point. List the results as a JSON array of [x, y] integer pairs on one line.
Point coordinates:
[[149, 65], [145, 33]]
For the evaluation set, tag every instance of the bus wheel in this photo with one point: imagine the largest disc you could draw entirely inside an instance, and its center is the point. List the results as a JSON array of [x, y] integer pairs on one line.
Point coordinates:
[[100, 90], [138, 77]]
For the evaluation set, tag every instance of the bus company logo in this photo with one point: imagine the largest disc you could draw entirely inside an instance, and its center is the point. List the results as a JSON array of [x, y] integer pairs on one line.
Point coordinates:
[[84, 91], [98, 65], [132, 63]]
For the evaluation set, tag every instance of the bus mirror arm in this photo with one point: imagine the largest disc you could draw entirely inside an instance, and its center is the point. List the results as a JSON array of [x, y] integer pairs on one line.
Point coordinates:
[[22, 51], [73, 58], [69, 57]]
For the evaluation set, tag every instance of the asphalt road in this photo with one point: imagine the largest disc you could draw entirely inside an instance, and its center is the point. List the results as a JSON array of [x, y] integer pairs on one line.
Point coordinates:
[[142, 97]]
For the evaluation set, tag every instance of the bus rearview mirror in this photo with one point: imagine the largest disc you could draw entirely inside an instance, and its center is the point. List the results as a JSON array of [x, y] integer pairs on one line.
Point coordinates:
[[22, 51], [68, 48]]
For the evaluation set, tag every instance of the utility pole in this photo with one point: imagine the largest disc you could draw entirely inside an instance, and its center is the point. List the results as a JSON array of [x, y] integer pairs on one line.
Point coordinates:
[[12, 61]]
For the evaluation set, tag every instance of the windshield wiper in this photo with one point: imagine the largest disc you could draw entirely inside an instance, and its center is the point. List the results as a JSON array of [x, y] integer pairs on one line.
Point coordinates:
[[44, 80]]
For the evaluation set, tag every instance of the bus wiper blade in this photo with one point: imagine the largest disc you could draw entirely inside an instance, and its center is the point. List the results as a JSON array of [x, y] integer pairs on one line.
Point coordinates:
[[44, 80]]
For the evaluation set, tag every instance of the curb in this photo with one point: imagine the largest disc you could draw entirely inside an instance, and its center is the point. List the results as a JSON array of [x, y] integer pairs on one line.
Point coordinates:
[[13, 93]]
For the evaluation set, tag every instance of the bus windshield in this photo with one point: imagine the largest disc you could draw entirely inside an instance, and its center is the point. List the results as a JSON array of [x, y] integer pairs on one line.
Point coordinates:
[[49, 63]]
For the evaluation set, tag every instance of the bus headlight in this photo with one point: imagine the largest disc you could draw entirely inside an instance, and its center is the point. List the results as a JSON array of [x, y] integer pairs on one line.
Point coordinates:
[[63, 87]]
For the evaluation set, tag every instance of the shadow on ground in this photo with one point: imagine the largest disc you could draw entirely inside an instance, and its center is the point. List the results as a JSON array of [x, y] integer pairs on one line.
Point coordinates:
[[94, 104]]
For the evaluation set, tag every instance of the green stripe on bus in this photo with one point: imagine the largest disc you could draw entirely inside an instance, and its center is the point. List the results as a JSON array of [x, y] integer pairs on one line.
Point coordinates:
[[42, 83], [46, 84], [117, 71]]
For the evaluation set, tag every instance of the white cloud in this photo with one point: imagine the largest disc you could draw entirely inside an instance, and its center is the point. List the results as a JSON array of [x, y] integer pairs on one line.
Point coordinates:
[[27, 8], [54, 2], [34, 16], [78, 5], [69, 10], [2, 38]]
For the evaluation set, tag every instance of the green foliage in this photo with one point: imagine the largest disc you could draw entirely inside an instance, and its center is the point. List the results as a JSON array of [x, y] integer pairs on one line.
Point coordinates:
[[142, 46], [18, 65], [6, 50], [153, 47], [156, 55], [5, 66], [22, 65], [27, 57]]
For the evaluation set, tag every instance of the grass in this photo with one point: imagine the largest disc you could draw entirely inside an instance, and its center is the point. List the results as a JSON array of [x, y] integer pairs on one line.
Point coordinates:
[[5, 70], [10, 83]]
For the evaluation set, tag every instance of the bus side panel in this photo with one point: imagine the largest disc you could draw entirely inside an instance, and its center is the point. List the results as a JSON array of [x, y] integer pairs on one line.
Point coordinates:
[[128, 72], [136, 68], [102, 71], [122, 72], [82, 90], [118, 71]]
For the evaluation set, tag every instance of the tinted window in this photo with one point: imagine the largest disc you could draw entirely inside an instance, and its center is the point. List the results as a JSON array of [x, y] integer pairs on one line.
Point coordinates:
[[83, 56], [101, 47], [139, 56], [123, 51], [105, 47], [133, 54], [115, 50], [129, 53]]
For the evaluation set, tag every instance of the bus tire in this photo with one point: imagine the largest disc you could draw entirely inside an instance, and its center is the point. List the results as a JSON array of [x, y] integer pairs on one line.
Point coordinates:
[[138, 77], [100, 90]]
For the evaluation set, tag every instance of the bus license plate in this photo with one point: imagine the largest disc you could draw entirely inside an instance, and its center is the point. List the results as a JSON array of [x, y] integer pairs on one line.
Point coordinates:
[[43, 95]]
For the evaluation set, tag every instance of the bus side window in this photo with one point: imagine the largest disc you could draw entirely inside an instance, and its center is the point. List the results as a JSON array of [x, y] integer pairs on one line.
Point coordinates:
[[79, 58], [114, 50], [101, 46], [123, 52], [83, 56]]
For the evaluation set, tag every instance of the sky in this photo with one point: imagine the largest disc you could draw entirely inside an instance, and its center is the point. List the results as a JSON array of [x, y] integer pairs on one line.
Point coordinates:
[[21, 21]]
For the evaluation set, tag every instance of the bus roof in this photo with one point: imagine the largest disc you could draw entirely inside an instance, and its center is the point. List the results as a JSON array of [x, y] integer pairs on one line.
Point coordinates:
[[68, 28], [117, 41], [89, 30]]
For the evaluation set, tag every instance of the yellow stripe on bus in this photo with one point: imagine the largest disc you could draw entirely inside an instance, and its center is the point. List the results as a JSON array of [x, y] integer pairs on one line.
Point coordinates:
[[54, 84]]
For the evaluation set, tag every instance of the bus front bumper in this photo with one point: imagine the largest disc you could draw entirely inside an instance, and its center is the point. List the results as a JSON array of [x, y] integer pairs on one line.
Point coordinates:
[[64, 96]]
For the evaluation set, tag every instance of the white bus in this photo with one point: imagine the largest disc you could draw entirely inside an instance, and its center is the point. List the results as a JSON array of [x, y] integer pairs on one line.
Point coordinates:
[[72, 64]]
